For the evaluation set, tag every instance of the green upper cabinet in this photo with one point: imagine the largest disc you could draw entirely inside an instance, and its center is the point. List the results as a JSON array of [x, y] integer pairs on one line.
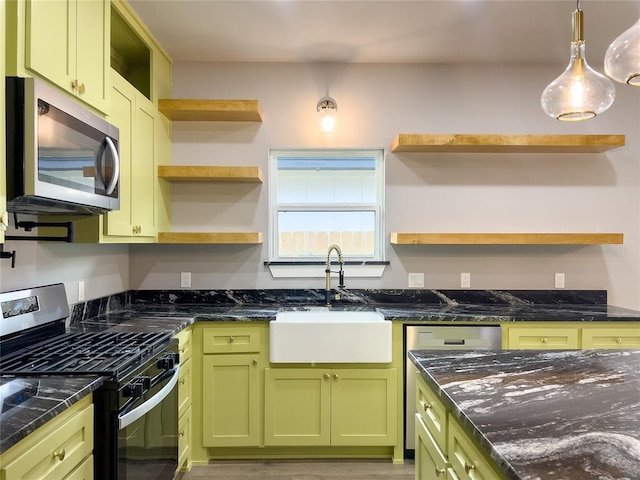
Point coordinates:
[[3, 176], [67, 42], [134, 115]]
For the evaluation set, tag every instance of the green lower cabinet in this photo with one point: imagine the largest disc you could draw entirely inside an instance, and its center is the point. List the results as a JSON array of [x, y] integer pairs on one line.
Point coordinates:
[[297, 406], [363, 407], [231, 400], [324, 406]]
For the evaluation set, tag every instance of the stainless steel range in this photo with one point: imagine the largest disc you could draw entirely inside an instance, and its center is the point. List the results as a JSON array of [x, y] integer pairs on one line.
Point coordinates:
[[136, 408]]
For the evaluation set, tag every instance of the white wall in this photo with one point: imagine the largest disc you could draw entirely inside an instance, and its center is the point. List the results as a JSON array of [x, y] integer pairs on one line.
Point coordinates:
[[103, 268], [457, 193]]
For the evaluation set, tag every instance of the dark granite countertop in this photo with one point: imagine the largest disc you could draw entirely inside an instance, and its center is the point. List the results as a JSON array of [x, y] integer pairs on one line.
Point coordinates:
[[148, 307], [167, 315], [562, 415], [48, 397]]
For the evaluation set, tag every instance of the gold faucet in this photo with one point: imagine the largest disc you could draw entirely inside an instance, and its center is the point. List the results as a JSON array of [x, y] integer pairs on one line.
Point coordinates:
[[327, 271]]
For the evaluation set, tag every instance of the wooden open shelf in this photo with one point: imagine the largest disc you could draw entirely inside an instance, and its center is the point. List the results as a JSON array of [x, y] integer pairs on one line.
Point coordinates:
[[210, 237], [495, 143], [507, 238], [210, 110], [178, 173]]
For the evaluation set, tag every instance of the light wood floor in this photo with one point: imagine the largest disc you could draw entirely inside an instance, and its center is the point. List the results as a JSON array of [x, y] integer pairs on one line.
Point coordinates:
[[302, 470]]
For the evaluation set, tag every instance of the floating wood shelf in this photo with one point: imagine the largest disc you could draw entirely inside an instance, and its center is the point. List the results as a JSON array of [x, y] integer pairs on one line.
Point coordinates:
[[494, 143], [210, 237], [178, 173], [507, 238], [210, 110]]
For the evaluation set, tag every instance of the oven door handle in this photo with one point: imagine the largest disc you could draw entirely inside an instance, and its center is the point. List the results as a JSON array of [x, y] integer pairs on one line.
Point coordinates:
[[140, 411]]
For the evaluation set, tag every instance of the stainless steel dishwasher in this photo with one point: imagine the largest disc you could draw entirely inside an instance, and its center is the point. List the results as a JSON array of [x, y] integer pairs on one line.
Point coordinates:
[[432, 337]]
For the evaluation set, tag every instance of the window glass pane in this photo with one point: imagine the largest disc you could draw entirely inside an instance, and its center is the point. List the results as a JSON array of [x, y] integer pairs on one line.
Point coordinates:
[[324, 196], [311, 233], [326, 180]]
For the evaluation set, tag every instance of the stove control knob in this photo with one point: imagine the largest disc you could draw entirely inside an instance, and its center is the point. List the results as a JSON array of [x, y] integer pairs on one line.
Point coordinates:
[[168, 361], [145, 381], [133, 390], [137, 387]]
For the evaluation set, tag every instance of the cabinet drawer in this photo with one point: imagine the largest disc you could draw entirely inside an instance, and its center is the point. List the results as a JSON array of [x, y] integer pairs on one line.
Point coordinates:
[[432, 411], [542, 338], [55, 451], [184, 344], [184, 440], [231, 340], [611, 337], [468, 462], [430, 461], [83, 472], [184, 387]]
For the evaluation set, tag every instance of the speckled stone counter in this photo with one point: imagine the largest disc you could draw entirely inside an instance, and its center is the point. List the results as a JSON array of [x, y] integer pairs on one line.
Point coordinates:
[[417, 306], [48, 397], [561, 415]]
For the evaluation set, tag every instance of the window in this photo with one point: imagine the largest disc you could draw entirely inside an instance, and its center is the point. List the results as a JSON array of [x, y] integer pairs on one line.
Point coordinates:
[[321, 197]]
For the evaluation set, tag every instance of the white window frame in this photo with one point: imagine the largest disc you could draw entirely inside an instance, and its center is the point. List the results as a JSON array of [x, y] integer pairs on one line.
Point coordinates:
[[307, 266]]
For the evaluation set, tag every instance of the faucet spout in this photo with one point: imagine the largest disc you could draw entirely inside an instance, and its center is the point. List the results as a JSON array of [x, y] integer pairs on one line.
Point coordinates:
[[327, 270]]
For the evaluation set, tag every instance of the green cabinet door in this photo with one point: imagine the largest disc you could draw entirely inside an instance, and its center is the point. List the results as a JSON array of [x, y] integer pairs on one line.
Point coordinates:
[[340, 407], [50, 49], [363, 406], [92, 51], [297, 406], [122, 110], [133, 114], [231, 400], [430, 462], [4, 218], [142, 169], [67, 42]]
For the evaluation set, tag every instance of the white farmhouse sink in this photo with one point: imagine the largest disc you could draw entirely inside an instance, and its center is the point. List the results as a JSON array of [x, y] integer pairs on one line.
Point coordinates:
[[322, 335]]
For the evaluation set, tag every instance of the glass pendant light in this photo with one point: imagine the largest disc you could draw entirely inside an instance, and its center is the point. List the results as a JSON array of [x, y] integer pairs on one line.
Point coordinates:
[[327, 108], [622, 60], [580, 92]]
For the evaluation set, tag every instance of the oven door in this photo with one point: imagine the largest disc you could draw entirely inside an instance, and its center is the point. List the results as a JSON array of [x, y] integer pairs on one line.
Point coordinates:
[[148, 424]]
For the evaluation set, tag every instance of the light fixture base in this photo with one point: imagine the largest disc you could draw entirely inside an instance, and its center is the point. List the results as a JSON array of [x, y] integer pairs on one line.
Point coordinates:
[[327, 103]]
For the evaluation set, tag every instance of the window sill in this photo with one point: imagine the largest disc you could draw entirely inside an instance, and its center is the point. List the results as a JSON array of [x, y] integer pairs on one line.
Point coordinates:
[[315, 269]]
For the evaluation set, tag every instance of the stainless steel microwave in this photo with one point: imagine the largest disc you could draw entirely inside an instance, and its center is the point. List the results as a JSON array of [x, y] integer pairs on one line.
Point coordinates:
[[61, 158]]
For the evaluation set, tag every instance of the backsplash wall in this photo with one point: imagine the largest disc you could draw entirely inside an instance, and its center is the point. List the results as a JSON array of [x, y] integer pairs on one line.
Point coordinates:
[[447, 193], [485, 193]]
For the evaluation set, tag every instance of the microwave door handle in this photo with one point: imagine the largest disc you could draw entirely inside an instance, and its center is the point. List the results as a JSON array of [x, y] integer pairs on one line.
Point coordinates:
[[116, 166], [140, 411]]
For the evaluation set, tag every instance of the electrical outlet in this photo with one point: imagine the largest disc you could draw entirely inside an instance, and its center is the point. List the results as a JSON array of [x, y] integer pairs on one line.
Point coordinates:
[[416, 280], [559, 280], [465, 280], [81, 291], [185, 279]]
